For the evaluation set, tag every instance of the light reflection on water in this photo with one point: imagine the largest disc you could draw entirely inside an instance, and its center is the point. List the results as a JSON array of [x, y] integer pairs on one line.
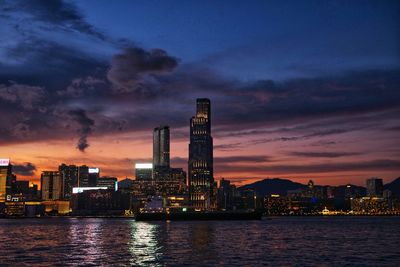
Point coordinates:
[[281, 241], [144, 246]]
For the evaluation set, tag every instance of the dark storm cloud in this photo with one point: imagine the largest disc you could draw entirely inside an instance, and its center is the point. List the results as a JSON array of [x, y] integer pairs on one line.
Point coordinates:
[[317, 133], [306, 99], [86, 125], [134, 65], [54, 12], [24, 169], [49, 64], [25, 96]]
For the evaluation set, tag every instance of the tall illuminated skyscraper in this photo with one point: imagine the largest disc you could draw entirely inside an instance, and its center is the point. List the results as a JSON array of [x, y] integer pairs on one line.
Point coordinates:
[[51, 185], [161, 147], [5, 178], [70, 178], [201, 178]]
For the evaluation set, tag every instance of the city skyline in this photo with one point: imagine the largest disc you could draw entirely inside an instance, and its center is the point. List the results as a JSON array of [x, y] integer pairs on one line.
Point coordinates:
[[85, 83]]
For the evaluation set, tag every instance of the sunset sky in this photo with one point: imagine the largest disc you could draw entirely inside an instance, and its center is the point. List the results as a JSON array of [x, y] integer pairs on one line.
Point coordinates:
[[299, 89]]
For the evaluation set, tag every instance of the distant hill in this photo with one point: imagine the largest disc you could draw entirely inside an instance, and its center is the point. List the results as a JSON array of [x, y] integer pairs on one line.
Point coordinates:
[[272, 186], [394, 186], [281, 186]]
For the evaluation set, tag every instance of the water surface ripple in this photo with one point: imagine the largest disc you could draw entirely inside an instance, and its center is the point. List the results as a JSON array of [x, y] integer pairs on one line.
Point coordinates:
[[288, 241]]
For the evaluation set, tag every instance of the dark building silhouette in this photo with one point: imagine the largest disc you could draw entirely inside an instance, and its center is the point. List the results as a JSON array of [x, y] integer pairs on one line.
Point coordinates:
[[94, 175], [83, 176], [24, 190], [201, 179], [161, 147], [109, 182], [374, 187], [226, 194], [87, 176], [70, 178], [101, 202], [125, 184]]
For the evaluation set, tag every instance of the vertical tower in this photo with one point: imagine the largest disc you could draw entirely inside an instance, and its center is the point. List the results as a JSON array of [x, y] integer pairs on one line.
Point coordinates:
[[374, 187], [51, 185], [201, 178], [83, 176], [5, 178], [161, 147], [70, 178]]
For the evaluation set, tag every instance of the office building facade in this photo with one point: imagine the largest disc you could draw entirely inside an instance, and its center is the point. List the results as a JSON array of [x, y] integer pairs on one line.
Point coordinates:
[[144, 172], [109, 182], [51, 185], [374, 187], [161, 147], [5, 179], [70, 178], [200, 165]]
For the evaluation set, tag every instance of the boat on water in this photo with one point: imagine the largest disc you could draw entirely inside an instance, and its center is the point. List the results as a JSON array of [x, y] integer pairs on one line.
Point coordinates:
[[198, 216]]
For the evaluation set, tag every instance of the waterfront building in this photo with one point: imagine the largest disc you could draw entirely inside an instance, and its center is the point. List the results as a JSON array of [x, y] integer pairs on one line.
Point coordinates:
[[5, 178], [144, 172], [374, 187], [161, 147], [247, 200], [226, 194], [83, 176], [201, 177], [51, 185], [70, 178], [275, 204], [26, 189], [169, 181], [101, 202], [369, 206], [93, 176], [109, 182]]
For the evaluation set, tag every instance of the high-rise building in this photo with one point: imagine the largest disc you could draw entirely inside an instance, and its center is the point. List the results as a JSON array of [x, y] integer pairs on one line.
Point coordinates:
[[51, 185], [225, 194], [70, 178], [88, 176], [374, 187], [5, 178], [170, 181], [83, 176], [144, 172], [201, 179], [161, 147], [94, 175]]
